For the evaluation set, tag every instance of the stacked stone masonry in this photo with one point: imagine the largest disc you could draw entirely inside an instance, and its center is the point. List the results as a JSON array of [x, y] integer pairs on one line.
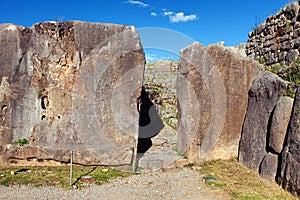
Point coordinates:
[[277, 40], [160, 84]]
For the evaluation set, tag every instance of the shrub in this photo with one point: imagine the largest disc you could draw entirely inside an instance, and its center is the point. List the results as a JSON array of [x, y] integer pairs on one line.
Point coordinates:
[[22, 142]]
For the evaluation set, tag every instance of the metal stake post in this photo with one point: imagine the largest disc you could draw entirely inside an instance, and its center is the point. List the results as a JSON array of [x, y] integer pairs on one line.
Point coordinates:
[[71, 168], [199, 153], [134, 162]]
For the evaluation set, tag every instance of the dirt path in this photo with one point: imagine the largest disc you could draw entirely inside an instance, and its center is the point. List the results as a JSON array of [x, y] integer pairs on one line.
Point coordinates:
[[181, 183], [155, 183]]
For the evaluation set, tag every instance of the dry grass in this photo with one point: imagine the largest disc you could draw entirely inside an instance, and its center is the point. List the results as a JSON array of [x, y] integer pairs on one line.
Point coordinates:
[[242, 183], [56, 176]]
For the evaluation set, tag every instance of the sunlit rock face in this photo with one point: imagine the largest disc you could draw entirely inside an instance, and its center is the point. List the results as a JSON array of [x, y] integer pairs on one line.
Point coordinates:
[[70, 86], [212, 90]]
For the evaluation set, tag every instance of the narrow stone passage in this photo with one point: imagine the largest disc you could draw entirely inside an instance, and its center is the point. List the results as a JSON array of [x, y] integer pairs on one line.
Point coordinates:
[[160, 85]]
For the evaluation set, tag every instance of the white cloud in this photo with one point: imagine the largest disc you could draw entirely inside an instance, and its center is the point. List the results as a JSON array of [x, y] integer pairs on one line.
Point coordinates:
[[153, 14], [150, 58], [174, 17], [168, 13], [181, 17], [138, 3]]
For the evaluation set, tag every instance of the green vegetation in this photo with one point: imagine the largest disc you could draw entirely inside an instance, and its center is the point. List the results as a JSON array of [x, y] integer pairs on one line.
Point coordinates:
[[170, 122], [190, 165], [276, 68], [175, 148], [40, 94], [150, 64], [288, 25], [290, 74], [240, 182], [262, 60], [57, 176], [22, 142]]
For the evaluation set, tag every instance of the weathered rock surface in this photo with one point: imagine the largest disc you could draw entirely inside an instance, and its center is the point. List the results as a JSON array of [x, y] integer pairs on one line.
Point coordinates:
[[162, 154], [212, 87], [263, 97], [70, 86], [289, 177], [268, 167], [280, 121], [276, 41], [237, 74], [276, 44]]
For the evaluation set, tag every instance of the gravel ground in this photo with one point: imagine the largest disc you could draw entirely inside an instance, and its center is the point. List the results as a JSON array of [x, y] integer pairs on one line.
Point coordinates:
[[180, 183], [170, 183]]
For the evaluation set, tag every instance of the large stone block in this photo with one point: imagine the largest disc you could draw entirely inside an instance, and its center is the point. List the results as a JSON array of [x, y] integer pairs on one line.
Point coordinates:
[[279, 124], [263, 97], [237, 74], [212, 87], [70, 86], [289, 177], [268, 167]]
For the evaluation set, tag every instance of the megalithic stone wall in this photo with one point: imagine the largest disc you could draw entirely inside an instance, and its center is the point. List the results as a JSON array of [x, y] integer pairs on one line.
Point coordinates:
[[263, 97], [276, 41], [270, 137], [272, 146], [289, 169], [212, 88], [69, 86]]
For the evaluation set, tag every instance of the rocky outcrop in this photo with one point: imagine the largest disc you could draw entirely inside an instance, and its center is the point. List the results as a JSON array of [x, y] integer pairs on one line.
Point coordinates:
[[289, 170], [276, 44], [70, 86], [212, 87], [264, 132], [279, 124], [263, 97]]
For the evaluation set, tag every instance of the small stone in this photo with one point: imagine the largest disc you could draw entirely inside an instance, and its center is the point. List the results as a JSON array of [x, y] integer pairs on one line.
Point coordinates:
[[209, 179], [105, 170]]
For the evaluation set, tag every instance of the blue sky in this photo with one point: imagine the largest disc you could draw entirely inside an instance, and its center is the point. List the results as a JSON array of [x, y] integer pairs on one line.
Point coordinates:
[[188, 20]]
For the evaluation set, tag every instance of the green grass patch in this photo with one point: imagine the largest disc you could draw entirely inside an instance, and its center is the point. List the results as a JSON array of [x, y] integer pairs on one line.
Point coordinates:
[[262, 60], [150, 64], [241, 183], [175, 148], [56, 176], [22, 142], [40, 94], [289, 73]]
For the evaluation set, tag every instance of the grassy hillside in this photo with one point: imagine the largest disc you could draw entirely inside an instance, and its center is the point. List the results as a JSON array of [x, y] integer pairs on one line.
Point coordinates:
[[240, 182]]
